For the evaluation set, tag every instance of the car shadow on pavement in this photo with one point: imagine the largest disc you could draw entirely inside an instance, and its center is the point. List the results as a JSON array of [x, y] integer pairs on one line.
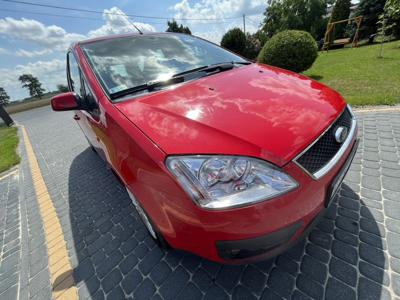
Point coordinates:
[[114, 256]]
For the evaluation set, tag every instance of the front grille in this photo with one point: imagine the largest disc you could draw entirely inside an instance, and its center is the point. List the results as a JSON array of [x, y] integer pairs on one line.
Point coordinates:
[[319, 154]]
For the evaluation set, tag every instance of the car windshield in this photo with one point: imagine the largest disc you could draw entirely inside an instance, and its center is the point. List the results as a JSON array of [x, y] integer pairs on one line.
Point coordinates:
[[127, 62]]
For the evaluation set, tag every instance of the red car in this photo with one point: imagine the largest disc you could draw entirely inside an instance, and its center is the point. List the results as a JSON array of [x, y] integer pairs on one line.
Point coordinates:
[[231, 160]]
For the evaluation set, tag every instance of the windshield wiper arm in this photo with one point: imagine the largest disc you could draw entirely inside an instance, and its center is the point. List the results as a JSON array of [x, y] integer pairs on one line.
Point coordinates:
[[150, 86], [214, 67]]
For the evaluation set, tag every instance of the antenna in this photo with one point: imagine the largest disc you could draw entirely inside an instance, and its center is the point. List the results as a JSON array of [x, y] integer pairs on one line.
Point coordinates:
[[132, 24]]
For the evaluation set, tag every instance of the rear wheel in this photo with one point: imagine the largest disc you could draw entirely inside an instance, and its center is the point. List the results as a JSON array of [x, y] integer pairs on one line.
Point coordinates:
[[157, 237]]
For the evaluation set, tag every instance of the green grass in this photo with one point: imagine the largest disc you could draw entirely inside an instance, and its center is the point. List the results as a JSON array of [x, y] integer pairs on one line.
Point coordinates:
[[359, 75], [8, 148]]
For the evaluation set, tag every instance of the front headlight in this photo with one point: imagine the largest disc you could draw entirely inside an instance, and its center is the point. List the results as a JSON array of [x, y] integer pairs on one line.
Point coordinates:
[[220, 182]]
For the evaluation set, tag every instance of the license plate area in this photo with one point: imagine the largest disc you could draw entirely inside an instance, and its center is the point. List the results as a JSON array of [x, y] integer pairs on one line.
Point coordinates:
[[336, 182]]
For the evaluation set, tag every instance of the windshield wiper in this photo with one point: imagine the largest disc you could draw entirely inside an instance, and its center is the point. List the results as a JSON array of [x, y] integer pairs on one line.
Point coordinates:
[[178, 78], [218, 67], [149, 86]]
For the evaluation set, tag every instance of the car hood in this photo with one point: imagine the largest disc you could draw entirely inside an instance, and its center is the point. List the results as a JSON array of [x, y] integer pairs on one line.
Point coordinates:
[[254, 110]]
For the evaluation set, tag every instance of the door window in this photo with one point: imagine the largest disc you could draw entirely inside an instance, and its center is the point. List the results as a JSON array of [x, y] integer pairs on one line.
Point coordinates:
[[74, 77]]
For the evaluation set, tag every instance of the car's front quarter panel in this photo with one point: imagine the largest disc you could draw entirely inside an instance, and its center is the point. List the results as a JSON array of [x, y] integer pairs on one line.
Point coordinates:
[[196, 230]]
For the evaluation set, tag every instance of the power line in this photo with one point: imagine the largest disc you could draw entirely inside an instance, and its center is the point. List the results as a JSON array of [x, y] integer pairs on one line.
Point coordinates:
[[110, 13], [52, 15], [87, 18]]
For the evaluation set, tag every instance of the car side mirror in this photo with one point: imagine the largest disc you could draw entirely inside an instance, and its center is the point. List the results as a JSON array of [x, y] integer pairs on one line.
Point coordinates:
[[65, 101]]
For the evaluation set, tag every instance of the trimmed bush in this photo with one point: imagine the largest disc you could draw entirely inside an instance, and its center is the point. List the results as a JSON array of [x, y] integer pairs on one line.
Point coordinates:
[[291, 49]]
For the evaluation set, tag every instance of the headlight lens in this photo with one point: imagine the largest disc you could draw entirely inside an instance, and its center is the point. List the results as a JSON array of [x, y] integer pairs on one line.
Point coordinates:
[[220, 182]]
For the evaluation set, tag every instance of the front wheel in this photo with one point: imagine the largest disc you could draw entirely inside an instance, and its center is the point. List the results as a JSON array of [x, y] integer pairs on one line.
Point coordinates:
[[157, 237]]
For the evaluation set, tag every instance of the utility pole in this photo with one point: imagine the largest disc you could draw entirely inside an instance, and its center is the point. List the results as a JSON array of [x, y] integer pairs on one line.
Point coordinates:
[[244, 23]]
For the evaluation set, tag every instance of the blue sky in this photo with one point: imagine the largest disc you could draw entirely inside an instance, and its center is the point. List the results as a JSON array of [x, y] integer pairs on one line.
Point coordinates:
[[31, 42]]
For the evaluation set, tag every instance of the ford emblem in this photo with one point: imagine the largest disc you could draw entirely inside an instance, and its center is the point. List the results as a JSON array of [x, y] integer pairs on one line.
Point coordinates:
[[341, 134]]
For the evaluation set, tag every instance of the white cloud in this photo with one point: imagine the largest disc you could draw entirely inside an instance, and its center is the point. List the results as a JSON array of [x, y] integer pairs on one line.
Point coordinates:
[[212, 9], [116, 22], [4, 51], [50, 37], [33, 53], [50, 73], [213, 30]]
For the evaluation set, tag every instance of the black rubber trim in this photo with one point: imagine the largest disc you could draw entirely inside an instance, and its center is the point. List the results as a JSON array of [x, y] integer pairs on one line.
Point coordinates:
[[341, 174], [255, 246]]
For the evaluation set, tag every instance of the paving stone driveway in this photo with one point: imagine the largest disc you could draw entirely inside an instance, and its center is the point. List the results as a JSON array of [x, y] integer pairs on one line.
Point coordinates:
[[353, 253]]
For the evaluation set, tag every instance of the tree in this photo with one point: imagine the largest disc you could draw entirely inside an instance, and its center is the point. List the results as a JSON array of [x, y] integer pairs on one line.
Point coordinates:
[[341, 11], [234, 40], [370, 10], [307, 15], [4, 98], [391, 12], [261, 36], [253, 46], [32, 84], [174, 27], [62, 88]]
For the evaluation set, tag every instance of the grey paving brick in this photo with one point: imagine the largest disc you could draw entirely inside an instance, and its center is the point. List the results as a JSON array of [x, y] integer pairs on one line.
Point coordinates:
[[285, 263], [117, 294], [10, 294], [241, 292], [253, 279], [131, 281], [229, 276], [346, 237], [174, 284], [192, 292], [392, 209], [111, 280], [281, 282], [371, 182], [347, 224], [372, 227], [84, 270], [268, 294], [345, 252], [203, 280], [160, 273], [215, 293], [373, 255], [396, 283], [128, 263], [39, 282], [343, 271], [391, 183], [374, 273], [314, 269], [393, 241], [321, 239], [310, 287], [337, 290], [372, 239], [317, 252], [367, 289], [150, 260]]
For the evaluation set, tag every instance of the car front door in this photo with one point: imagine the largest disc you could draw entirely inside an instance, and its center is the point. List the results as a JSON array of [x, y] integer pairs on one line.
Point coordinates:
[[76, 84]]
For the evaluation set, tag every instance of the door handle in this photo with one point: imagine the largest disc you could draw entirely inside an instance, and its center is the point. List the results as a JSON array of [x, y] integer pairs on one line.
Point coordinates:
[[76, 117]]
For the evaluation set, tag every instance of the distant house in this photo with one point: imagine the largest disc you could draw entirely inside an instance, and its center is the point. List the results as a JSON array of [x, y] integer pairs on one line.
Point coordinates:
[[353, 8]]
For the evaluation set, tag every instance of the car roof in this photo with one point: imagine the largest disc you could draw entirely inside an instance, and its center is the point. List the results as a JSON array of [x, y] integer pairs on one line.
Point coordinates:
[[115, 36]]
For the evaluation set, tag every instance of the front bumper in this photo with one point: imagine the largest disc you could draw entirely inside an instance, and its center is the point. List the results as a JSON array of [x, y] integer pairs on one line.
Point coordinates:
[[272, 244]]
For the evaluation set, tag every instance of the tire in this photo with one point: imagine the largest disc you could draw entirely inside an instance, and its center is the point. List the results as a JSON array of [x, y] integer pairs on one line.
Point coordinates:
[[157, 236]]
